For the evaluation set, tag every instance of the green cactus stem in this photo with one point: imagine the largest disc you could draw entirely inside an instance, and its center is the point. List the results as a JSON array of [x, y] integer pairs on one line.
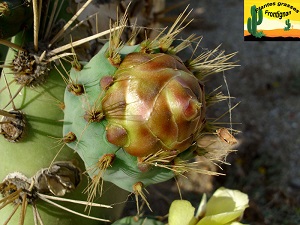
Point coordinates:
[[288, 25], [31, 138], [37, 146], [254, 21], [132, 220]]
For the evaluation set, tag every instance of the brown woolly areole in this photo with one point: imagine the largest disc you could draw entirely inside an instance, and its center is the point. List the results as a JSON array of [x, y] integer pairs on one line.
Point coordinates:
[[12, 126], [30, 69]]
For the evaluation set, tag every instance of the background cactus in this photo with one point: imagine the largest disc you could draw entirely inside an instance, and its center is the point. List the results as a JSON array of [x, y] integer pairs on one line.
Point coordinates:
[[288, 25], [15, 16], [38, 148], [76, 94], [254, 21]]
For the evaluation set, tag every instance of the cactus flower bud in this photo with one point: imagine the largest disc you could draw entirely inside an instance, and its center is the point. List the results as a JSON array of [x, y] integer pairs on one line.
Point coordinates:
[[155, 103]]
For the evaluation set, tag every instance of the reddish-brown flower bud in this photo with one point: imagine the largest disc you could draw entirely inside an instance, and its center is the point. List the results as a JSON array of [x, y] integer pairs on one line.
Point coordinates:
[[157, 103]]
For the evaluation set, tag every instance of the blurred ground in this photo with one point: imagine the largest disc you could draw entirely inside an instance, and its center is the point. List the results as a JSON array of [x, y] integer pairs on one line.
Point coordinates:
[[268, 86]]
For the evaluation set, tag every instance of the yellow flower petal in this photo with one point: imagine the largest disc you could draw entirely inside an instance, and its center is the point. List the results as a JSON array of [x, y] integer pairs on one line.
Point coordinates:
[[226, 200], [181, 212], [221, 219]]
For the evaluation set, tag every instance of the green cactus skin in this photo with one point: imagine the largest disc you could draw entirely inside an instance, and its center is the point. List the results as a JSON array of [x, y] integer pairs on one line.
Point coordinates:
[[140, 221], [253, 22], [38, 147], [92, 144], [288, 25], [15, 16]]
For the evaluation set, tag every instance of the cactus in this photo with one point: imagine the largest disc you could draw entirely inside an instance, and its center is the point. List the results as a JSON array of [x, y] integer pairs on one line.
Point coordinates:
[[133, 114], [288, 25], [103, 160], [35, 147], [254, 21], [137, 112]]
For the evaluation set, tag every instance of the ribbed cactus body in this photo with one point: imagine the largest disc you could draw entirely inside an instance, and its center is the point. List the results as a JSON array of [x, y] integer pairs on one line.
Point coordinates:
[[37, 148]]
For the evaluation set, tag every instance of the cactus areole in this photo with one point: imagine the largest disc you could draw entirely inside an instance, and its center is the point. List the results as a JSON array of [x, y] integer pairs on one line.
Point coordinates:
[[155, 103]]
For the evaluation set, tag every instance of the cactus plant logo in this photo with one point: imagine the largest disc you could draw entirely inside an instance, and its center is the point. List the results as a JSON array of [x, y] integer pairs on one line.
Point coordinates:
[[267, 20]]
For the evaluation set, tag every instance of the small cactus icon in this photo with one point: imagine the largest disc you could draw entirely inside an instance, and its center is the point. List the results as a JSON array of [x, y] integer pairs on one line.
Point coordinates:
[[288, 25]]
